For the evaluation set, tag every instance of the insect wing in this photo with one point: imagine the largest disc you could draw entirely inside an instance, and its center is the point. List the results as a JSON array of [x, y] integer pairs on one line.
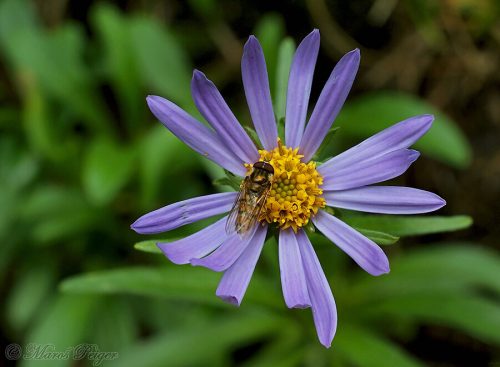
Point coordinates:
[[232, 219], [250, 214], [246, 210], [259, 205]]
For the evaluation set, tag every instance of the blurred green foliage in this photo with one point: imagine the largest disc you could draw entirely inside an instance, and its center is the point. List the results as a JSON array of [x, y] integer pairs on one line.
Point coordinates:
[[81, 157]]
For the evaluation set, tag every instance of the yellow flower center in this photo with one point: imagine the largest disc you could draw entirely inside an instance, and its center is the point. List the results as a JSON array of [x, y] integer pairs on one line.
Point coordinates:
[[295, 194]]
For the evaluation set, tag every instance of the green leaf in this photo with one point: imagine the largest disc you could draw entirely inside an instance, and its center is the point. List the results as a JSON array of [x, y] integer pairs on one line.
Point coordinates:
[[116, 327], [28, 295], [467, 312], [361, 347], [193, 284], [149, 246], [270, 31], [38, 123], [373, 112], [269, 255], [286, 350], [378, 237], [162, 61], [55, 213], [200, 344], [161, 155], [253, 135], [468, 263], [119, 60], [436, 285], [226, 181], [64, 324], [455, 268], [107, 168], [18, 167], [403, 226], [285, 56], [16, 15], [55, 61], [230, 180], [281, 129], [323, 150], [173, 282], [214, 172]]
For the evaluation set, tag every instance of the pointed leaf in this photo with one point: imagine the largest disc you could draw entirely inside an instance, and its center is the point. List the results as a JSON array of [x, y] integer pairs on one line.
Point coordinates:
[[442, 268], [150, 246], [194, 284], [107, 168], [363, 348], [270, 31], [120, 64], [469, 313], [285, 56], [378, 237], [403, 226], [65, 324], [199, 344], [162, 61]]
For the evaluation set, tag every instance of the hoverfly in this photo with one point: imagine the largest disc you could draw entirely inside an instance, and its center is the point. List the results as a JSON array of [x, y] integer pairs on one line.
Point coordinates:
[[251, 199]]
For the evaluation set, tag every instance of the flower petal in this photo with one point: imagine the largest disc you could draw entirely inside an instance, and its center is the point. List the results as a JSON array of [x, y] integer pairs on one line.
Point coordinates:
[[196, 245], [256, 84], [299, 88], [385, 199], [234, 282], [399, 136], [218, 114], [184, 212], [226, 254], [329, 103], [196, 135], [369, 171], [324, 309], [361, 249], [293, 279]]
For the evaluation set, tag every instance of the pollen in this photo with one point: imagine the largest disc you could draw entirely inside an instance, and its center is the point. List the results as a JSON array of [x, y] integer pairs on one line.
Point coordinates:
[[295, 194]]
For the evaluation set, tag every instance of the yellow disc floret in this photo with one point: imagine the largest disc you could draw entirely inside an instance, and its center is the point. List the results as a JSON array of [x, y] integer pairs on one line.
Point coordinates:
[[295, 194]]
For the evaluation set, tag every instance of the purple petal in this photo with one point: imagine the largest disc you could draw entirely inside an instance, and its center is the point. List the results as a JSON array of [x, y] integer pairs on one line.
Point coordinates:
[[194, 134], [323, 305], [293, 279], [184, 212], [299, 88], [369, 171], [361, 249], [218, 114], [234, 282], [196, 245], [385, 199], [256, 84], [398, 136], [329, 103], [226, 254]]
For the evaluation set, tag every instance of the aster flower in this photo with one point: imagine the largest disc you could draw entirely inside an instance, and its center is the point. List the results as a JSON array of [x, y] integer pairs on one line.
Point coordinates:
[[301, 190]]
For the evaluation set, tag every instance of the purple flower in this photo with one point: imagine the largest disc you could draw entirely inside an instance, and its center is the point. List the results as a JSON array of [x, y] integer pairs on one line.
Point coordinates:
[[299, 190]]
